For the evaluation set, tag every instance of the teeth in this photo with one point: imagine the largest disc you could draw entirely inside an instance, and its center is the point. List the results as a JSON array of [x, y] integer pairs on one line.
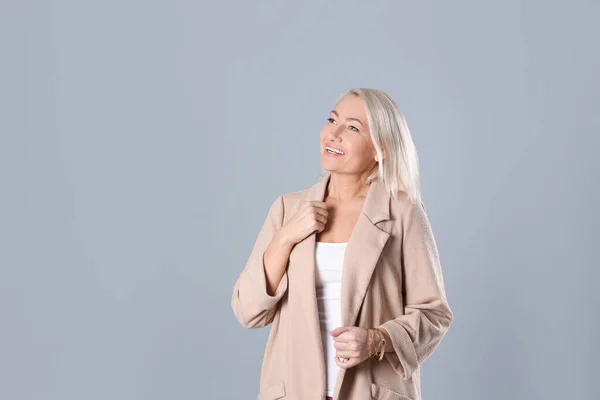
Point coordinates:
[[329, 149]]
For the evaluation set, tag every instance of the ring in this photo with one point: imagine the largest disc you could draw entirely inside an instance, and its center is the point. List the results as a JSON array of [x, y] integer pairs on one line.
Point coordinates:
[[342, 359]]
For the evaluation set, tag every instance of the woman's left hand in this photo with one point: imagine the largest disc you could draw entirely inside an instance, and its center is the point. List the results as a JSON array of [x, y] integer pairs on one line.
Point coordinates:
[[353, 344]]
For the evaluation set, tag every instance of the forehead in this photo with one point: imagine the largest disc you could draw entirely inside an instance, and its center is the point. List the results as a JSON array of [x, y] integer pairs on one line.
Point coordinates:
[[352, 106]]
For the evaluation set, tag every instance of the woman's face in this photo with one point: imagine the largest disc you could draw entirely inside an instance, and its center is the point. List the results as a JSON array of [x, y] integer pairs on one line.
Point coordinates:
[[347, 130]]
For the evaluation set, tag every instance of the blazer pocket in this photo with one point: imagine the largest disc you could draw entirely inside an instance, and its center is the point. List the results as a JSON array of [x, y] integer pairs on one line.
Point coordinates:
[[382, 393], [274, 392]]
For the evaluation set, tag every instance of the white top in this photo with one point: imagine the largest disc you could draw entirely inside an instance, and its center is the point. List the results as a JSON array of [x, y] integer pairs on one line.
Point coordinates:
[[329, 258]]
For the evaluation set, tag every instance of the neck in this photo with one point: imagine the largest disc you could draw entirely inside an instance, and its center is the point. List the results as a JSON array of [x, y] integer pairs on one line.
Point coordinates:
[[347, 186]]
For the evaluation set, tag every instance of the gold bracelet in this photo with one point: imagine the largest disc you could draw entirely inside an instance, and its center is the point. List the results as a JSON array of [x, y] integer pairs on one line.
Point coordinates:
[[382, 345], [379, 346], [382, 353], [370, 341], [373, 342]]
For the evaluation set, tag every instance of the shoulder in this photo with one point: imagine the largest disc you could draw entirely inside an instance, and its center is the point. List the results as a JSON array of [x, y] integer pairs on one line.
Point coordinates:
[[406, 210], [292, 198], [290, 201], [285, 203], [402, 204]]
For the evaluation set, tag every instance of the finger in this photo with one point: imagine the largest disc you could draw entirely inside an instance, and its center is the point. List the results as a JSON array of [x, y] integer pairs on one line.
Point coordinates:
[[347, 364], [352, 345], [344, 346], [319, 226], [346, 354], [348, 336], [318, 204], [339, 330], [321, 212], [321, 218]]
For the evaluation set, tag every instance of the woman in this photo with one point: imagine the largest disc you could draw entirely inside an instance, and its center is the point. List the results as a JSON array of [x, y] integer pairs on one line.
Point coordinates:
[[347, 271]]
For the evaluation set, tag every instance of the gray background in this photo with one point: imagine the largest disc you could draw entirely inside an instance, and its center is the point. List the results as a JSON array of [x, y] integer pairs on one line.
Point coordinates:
[[142, 143]]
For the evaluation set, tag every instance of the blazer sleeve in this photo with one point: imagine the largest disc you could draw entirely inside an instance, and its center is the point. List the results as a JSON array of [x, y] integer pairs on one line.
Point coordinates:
[[252, 305], [417, 333]]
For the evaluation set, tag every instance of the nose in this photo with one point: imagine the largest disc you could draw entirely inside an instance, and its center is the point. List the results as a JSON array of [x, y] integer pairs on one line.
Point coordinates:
[[334, 133]]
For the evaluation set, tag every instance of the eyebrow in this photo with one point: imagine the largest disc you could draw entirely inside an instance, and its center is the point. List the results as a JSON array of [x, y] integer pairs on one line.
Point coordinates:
[[348, 119]]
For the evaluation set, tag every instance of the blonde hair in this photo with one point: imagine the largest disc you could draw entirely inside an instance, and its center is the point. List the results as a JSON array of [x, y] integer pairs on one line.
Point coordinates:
[[399, 170]]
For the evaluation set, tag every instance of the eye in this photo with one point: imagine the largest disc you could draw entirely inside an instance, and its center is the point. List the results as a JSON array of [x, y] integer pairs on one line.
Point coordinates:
[[355, 129], [331, 120]]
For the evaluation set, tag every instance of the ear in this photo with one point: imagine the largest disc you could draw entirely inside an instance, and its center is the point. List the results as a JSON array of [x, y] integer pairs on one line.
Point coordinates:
[[377, 158]]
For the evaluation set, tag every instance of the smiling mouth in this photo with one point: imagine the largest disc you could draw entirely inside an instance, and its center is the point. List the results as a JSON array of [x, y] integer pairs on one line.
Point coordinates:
[[331, 150]]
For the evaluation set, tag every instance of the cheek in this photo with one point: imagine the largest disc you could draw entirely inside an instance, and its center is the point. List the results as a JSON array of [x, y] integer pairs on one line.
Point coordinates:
[[361, 151], [323, 133]]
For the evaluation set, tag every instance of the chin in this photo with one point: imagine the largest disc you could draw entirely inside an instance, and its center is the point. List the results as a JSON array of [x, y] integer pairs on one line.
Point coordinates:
[[329, 165]]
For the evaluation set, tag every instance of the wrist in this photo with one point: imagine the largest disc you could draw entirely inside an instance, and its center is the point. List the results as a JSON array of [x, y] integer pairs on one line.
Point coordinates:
[[377, 343], [283, 240]]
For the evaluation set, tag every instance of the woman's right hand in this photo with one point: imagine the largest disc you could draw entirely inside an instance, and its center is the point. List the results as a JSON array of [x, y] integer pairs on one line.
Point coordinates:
[[311, 216]]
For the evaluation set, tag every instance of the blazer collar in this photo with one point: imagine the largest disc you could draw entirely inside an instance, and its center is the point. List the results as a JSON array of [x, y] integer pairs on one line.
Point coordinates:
[[377, 202]]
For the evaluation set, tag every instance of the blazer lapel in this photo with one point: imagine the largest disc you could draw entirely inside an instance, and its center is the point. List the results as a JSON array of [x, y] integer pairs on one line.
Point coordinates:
[[362, 253], [363, 250], [303, 274]]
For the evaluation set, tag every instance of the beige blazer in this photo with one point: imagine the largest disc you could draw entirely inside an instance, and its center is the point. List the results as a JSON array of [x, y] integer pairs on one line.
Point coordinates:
[[392, 278]]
